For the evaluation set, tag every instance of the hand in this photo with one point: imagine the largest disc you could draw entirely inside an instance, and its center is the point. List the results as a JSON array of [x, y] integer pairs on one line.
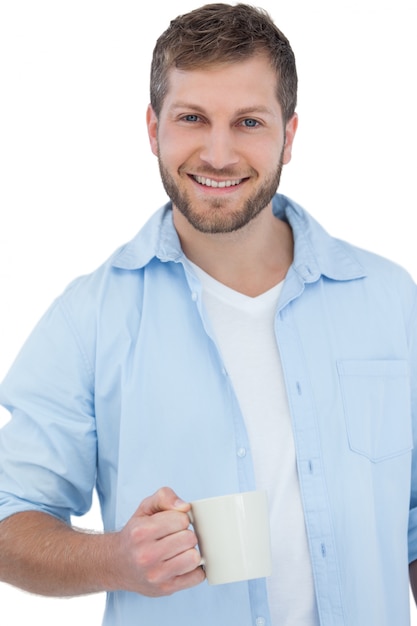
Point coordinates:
[[156, 552]]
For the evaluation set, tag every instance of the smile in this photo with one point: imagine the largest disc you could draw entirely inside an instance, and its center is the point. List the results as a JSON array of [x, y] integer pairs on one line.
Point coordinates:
[[209, 182]]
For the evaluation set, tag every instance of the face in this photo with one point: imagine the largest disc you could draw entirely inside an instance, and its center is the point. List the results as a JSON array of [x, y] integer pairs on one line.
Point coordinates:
[[221, 143]]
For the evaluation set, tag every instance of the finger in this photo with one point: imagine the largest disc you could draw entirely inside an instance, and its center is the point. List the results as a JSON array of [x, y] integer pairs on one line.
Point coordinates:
[[173, 569], [149, 530], [187, 562], [177, 583], [196, 577], [175, 544], [164, 499], [189, 578]]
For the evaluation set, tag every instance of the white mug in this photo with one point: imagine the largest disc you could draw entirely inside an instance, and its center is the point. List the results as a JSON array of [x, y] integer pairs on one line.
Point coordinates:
[[233, 536]]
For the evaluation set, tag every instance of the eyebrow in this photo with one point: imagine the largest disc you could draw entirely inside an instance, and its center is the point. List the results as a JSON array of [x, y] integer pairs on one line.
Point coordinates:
[[242, 111]]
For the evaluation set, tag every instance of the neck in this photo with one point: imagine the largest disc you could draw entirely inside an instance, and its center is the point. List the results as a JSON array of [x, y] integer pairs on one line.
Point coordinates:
[[250, 260]]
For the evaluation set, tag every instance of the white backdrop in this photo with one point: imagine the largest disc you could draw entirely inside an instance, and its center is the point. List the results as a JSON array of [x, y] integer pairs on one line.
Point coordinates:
[[77, 178]]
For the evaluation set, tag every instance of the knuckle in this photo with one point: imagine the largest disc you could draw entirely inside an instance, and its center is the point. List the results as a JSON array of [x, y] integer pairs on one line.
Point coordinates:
[[145, 558], [139, 534], [163, 493], [154, 578]]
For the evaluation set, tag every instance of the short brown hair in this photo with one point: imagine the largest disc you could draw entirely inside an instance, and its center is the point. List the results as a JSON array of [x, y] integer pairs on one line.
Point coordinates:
[[223, 33]]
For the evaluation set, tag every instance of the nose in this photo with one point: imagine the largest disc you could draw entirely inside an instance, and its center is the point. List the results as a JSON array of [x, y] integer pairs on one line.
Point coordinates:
[[219, 149]]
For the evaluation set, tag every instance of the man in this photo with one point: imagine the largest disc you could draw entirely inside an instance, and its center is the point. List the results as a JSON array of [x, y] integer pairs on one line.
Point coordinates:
[[233, 344]]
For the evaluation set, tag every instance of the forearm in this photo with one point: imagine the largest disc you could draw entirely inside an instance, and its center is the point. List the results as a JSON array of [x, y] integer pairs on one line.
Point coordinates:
[[43, 555], [154, 554]]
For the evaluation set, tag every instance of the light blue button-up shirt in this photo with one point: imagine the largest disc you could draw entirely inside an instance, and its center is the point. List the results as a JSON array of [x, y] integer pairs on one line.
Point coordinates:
[[121, 386]]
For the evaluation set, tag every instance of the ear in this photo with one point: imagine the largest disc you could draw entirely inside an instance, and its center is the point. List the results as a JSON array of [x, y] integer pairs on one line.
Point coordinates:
[[152, 124], [290, 130]]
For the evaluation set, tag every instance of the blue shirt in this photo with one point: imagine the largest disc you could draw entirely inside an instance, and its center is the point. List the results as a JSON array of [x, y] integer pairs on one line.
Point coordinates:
[[120, 386]]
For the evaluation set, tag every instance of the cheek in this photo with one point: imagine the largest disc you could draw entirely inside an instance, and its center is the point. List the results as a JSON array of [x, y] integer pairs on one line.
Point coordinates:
[[265, 156], [175, 149]]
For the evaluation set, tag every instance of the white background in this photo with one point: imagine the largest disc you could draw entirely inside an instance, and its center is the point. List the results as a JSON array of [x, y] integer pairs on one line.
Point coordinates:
[[77, 178]]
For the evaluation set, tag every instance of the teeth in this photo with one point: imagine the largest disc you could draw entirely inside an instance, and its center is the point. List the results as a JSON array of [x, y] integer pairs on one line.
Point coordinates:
[[208, 182]]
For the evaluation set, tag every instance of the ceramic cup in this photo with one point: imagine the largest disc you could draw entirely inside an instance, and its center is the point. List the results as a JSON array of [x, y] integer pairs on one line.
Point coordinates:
[[233, 536]]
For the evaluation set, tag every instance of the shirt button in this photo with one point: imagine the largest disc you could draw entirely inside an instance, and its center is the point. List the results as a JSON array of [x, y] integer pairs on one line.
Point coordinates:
[[194, 296], [241, 453], [260, 621]]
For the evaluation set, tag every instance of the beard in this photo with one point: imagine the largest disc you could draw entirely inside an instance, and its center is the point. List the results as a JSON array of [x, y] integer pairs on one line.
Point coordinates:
[[214, 216]]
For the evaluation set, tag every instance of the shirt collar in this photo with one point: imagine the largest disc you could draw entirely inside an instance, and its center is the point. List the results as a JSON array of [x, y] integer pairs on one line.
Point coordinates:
[[158, 238], [316, 253]]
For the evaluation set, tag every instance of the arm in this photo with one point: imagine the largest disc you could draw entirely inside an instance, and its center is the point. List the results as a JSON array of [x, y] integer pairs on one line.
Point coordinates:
[[154, 554]]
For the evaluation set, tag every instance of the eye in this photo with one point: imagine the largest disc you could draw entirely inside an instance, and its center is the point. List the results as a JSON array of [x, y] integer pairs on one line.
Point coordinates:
[[250, 123], [191, 118]]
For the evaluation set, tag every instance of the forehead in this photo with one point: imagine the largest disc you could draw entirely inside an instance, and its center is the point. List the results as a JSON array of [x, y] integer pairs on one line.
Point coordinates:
[[241, 83]]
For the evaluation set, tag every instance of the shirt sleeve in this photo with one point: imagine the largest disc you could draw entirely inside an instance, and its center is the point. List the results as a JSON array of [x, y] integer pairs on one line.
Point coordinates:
[[412, 528], [48, 448]]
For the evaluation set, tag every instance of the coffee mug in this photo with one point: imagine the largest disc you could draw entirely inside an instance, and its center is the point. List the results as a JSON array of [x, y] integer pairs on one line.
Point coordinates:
[[233, 536]]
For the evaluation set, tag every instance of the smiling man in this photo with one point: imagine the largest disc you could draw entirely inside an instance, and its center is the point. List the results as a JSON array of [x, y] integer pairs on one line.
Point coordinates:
[[221, 140], [231, 345]]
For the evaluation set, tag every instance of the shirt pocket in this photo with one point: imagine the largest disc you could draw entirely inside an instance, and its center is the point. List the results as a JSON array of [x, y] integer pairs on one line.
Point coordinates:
[[377, 407]]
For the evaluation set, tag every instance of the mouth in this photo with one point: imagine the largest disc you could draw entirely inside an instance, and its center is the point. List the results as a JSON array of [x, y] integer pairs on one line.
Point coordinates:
[[217, 184]]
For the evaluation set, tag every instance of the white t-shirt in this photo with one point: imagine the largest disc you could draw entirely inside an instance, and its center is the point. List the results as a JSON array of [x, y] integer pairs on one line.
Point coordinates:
[[244, 331]]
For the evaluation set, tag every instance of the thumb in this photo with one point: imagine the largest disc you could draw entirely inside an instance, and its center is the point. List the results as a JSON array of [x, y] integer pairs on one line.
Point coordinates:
[[165, 499]]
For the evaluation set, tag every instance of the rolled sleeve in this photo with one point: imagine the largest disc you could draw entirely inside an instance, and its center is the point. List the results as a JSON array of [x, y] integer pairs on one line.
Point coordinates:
[[48, 448]]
